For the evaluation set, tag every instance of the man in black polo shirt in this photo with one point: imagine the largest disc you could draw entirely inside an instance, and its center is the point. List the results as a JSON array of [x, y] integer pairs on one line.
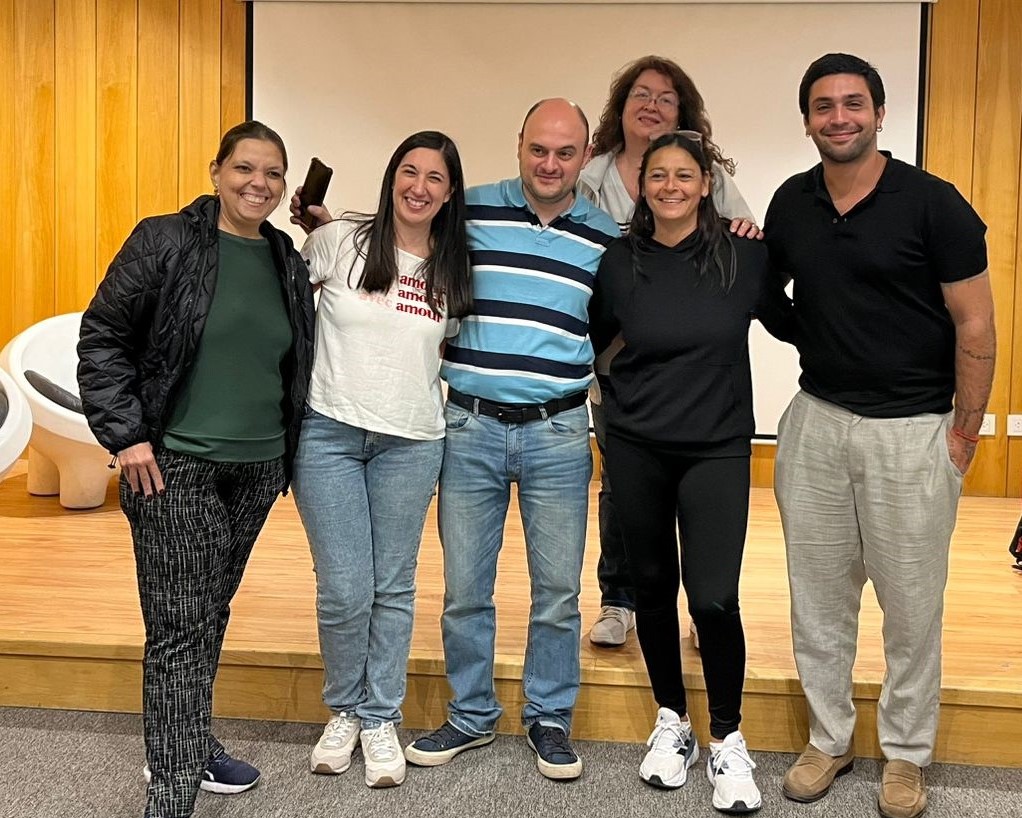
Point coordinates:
[[894, 325]]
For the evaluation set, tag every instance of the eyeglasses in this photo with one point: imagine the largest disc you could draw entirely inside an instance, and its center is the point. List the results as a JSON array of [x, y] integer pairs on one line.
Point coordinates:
[[644, 97], [695, 136]]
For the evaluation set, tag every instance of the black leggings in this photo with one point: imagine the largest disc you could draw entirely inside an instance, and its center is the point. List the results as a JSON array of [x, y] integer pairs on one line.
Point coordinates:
[[708, 499]]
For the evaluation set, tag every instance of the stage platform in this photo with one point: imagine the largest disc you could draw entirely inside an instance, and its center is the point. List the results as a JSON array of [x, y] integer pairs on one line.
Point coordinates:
[[71, 634]]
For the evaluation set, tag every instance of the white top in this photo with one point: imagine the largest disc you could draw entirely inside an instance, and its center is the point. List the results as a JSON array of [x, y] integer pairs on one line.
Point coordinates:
[[377, 359]]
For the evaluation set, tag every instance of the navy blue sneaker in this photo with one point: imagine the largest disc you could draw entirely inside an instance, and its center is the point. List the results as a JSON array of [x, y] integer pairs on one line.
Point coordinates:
[[223, 775], [442, 745], [227, 775], [554, 754]]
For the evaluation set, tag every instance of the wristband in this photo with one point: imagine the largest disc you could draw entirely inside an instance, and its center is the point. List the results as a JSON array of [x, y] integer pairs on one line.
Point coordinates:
[[964, 435]]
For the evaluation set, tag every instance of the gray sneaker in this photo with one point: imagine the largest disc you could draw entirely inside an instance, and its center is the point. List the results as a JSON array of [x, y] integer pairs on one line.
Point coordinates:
[[332, 753], [385, 763], [612, 626]]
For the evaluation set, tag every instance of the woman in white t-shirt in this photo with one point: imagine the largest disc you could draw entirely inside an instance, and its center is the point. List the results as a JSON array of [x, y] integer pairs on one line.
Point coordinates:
[[391, 285]]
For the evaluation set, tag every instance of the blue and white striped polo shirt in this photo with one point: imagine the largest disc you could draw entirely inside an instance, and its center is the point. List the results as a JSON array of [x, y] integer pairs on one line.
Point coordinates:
[[527, 340]]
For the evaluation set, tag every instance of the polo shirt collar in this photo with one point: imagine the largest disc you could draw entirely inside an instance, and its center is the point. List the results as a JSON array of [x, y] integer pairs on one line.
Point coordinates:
[[514, 195], [891, 179]]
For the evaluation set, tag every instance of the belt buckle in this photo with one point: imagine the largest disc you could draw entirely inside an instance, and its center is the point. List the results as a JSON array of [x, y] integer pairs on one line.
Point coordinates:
[[505, 414]]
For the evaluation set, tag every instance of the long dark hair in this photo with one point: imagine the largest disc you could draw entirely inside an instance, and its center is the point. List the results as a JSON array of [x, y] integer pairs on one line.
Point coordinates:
[[609, 135], [713, 250], [446, 271]]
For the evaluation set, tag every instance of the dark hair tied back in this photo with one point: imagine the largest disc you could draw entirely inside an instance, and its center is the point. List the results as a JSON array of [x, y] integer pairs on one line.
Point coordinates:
[[249, 130], [713, 249]]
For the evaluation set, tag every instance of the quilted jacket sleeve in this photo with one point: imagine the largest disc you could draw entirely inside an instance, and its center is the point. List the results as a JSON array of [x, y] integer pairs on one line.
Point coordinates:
[[113, 335]]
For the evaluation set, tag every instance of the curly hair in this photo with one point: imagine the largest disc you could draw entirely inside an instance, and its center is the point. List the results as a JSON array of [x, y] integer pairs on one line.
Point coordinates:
[[610, 136]]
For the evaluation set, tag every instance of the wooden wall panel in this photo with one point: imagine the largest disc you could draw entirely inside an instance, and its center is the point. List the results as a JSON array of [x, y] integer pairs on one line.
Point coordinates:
[[995, 195], [1014, 476], [158, 102], [233, 63], [75, 197], [33, 163], [117, 124], [951, 92], [199, 113], [8, 82], [100, 101]]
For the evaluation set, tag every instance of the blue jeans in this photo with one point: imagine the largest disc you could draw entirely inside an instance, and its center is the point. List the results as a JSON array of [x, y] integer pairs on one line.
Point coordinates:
[[551, 462], [363, 498]]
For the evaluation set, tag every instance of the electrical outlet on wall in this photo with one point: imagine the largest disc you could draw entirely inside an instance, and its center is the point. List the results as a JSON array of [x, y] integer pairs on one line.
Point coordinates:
[[1014, 425], [989, 426]]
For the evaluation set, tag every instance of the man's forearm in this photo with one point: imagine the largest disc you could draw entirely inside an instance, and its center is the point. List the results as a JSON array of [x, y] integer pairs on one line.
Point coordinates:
[[975, 348]]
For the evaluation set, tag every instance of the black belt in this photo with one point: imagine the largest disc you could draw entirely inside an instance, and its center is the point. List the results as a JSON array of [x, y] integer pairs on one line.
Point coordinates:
[[515, 412]]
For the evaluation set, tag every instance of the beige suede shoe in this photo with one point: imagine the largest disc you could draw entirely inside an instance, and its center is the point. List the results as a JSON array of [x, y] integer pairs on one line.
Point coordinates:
[[810, 777], [902, 790]]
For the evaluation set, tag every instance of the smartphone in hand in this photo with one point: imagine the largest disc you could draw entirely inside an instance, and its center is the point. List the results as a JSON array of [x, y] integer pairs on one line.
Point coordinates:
[[314, 190]]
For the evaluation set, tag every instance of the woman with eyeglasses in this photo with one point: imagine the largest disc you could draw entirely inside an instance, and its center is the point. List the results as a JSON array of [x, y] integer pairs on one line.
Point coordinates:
[[648, 98], [680, 291]]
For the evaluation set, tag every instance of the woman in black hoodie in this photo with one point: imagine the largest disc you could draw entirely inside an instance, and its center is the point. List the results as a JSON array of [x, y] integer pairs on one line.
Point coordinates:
[[681, 292]]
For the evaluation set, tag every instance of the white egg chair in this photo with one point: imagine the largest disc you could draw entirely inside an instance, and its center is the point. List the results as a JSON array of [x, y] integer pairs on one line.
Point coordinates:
[[15, 423], [64, 457]]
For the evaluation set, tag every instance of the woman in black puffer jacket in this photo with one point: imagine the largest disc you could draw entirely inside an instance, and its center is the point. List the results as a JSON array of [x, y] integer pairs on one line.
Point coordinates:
[[195, 357]]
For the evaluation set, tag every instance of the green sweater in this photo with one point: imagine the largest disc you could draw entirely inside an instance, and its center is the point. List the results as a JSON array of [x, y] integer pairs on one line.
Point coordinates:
[[230, 407]]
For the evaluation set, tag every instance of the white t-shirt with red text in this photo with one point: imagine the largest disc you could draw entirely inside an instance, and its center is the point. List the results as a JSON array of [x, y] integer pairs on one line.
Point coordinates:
[[377, 356]]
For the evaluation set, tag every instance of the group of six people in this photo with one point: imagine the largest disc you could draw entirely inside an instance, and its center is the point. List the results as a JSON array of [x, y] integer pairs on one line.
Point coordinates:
[[206, 370]]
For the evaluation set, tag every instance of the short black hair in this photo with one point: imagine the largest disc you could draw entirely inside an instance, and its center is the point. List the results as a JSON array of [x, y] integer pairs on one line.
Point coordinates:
[[840, 64]]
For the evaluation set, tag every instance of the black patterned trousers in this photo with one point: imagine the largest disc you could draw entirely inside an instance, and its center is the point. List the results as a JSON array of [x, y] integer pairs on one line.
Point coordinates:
[[191, 547]]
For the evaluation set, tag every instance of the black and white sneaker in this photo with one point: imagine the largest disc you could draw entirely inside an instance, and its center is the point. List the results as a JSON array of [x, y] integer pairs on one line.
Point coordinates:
[[672, 750], [223, 774], [729, 769], [442, 745]]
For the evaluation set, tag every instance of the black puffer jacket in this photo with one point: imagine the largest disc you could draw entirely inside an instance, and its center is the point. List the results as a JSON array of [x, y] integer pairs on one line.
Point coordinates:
[[140, 333]]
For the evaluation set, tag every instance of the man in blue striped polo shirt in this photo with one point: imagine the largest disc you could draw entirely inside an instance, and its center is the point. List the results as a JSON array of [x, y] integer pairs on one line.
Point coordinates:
[[517, 374]]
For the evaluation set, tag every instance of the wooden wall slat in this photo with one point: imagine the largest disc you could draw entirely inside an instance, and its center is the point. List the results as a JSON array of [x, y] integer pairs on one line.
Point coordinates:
[[8, 82], [117, 163], [233, 63], [951, 92], [995, 196], [33, 266], [1014, 466], [75, 193], [200, 113], [159, 49]]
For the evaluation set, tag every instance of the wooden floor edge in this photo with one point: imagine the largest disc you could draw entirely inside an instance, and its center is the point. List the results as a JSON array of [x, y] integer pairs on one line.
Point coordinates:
[[974, 728], [507, 667]]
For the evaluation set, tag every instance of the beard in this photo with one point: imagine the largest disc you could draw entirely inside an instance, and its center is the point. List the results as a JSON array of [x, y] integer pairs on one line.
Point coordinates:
[[851, 151]]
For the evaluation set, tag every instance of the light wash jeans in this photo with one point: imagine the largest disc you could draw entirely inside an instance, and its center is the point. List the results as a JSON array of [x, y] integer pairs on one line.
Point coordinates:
[[363, 498], [551, 462]]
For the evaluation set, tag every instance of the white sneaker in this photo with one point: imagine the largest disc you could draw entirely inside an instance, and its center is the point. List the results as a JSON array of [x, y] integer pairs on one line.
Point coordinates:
[[332, 753], [729, 769], [385, 762], [612, 626], [672, 750]]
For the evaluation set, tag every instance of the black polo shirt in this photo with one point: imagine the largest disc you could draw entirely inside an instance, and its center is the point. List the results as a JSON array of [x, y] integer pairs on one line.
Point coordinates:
[[871, 327]]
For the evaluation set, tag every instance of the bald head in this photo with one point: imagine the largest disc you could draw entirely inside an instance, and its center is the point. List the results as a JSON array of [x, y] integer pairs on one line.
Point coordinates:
[[552, 147], [558, 106]]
